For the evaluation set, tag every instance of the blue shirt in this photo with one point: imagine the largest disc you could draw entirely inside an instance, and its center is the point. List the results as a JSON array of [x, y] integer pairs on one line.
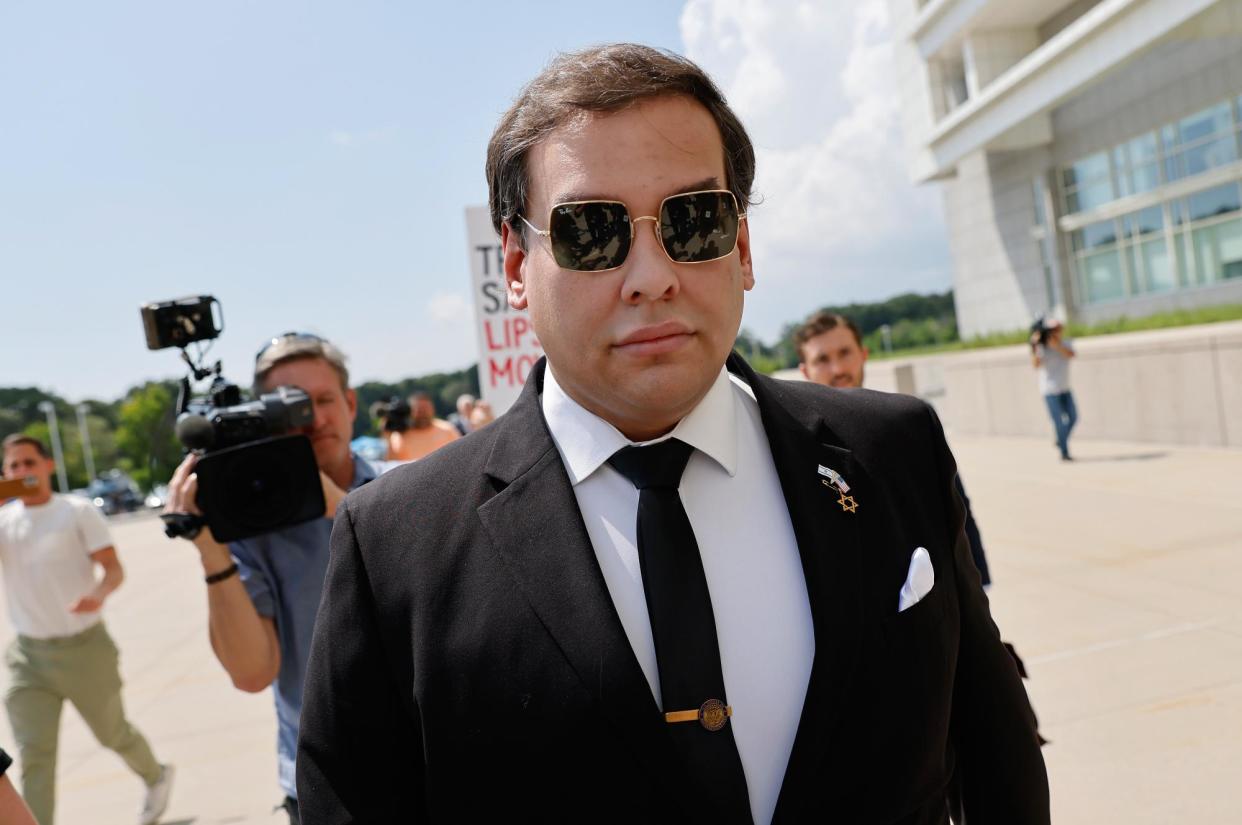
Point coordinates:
[[284, 573]]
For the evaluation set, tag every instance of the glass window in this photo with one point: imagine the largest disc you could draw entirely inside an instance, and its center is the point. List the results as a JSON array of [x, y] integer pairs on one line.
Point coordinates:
[[1157, 267], [1219, 200], [1173, 168], [1144, 178], [1134, 278], [1095, 235], [1102, 276], [1218, 251], [1178, 213], [1087, 170], [1216, 120], [1205, 156], [1120, 157], [1143, 148], [1145, 222], [1185, 259], [1138, 169], [1168, 136], [1091, 196]]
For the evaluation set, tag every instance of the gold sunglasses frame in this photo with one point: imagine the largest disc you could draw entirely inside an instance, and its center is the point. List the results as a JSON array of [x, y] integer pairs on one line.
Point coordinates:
[[655, 227]]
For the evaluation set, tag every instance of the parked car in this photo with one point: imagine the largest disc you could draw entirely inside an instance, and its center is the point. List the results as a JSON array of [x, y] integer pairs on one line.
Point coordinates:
[[115, 492], [157, 496]]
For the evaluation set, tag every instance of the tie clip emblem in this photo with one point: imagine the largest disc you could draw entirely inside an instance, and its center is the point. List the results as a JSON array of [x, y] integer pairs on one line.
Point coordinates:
[[834, 479]]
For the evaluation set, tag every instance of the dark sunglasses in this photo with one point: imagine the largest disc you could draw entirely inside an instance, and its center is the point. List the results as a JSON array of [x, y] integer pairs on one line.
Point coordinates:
[[289, 336], [596, 236]]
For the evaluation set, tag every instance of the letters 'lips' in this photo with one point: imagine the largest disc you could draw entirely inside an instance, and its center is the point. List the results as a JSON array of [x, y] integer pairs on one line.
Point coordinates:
[[655, 340]]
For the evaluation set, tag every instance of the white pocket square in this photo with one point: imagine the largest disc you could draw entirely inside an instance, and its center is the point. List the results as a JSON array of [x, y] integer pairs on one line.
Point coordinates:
[[919, 580]]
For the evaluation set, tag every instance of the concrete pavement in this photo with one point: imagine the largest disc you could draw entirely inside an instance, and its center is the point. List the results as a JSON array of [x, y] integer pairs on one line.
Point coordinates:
[[1118, 578]]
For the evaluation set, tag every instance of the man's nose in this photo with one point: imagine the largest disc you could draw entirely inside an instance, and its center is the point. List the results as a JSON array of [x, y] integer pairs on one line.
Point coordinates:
[[649, 274]]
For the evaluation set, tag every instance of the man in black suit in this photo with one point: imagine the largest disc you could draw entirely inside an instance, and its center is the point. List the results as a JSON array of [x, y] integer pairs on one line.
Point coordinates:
[[661, 588]]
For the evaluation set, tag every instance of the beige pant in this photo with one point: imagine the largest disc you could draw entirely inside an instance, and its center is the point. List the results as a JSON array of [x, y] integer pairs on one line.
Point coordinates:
[[82, 668]]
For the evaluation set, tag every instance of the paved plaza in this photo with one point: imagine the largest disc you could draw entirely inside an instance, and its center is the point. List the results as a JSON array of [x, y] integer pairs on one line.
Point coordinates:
[[1117, 577]]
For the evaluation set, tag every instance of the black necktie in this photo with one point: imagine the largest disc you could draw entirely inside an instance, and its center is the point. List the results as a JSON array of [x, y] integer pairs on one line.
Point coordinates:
[[683, 627]]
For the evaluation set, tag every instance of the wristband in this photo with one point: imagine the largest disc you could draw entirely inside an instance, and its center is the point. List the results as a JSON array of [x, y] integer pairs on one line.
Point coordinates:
[[231, 570]]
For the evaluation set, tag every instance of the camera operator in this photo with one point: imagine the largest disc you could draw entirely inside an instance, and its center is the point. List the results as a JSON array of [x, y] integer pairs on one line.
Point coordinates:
[[1051, 354], [425, 433], [263, 592]]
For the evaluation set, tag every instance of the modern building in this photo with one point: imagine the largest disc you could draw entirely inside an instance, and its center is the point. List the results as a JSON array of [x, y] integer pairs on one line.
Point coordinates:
[[1088, 151]]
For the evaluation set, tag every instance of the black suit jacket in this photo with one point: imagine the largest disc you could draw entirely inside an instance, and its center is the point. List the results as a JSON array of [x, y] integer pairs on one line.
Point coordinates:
[[468, 664]]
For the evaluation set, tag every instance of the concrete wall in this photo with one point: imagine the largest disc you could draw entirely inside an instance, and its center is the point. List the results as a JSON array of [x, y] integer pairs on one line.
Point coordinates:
[[998, 277], [1178, 386]]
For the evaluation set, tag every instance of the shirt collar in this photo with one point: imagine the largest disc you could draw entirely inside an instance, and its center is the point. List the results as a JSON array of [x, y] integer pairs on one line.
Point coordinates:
[[363, 472], [586, 441]]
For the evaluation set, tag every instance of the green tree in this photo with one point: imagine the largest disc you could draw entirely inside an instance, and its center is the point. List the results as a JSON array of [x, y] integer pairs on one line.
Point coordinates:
[[145, 440]]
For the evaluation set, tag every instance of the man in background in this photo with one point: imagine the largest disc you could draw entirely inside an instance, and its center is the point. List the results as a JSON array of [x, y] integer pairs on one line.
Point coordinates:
[[465, 410], [425, 435], [262, 592], [50, 545]]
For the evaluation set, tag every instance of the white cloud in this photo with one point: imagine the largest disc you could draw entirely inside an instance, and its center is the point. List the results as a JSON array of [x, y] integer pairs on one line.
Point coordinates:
[[814, 84], [449, 308]]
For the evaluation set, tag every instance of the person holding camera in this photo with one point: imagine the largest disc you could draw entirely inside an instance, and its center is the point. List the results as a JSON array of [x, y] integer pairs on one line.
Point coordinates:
[[1051, 354], [424, 433], [50, 546], [263, 592]]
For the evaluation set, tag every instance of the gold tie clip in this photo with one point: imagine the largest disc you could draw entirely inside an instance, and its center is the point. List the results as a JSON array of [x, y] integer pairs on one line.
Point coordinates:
[[712, 715]]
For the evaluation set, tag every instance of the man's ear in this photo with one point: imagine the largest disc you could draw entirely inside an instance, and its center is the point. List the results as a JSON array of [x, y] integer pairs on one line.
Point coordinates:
[[802, 368], [743, 255], [515, 265], [866, 354], [351, 399]]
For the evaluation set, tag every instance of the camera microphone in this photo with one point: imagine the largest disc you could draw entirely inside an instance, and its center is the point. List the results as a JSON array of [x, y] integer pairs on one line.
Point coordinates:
[[195, 431]]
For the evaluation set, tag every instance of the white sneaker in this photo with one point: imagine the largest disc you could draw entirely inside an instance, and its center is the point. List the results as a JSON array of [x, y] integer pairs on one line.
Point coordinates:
[[156, 800]]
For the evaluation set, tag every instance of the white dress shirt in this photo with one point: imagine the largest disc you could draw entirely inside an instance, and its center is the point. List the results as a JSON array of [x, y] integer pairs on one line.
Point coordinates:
[[733, 498]]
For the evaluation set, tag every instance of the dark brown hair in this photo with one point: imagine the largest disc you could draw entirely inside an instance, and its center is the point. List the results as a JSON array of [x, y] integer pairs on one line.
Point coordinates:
[[18, 439], [821, 322], [603, 79]]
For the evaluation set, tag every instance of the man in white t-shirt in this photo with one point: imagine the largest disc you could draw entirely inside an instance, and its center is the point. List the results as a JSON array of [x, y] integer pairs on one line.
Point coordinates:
[[50, 546]]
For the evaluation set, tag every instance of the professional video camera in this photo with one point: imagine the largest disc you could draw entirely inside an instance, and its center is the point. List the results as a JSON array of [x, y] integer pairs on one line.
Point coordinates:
[[254, 474], [1039, 331], [395, 413]]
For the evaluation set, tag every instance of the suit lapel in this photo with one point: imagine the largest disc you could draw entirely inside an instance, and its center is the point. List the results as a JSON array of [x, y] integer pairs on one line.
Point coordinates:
[[829, 545], [536, 528]]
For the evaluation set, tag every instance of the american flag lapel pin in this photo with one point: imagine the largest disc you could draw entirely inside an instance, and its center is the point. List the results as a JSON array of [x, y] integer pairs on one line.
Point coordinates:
[[831, 478]]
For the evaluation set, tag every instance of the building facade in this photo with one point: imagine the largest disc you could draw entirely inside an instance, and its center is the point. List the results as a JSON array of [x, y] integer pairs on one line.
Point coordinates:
[[1090, 152]]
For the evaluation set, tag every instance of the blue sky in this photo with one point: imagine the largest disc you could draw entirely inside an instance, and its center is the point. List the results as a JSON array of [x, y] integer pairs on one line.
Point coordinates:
[[309, 165]]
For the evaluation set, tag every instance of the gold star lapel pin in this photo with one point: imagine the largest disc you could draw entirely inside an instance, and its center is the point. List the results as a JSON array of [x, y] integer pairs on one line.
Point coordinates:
[[834, 479]]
